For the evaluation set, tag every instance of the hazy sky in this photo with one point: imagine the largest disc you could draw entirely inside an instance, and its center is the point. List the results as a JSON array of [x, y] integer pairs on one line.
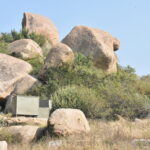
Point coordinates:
[[128, 20]]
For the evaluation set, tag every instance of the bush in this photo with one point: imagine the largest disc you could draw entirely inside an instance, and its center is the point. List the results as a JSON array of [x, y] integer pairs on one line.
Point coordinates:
[[3, 47], [37, 64], [3, 123], [128, 104], [143, 85], [81, 85], [23, 34], [77, 97]]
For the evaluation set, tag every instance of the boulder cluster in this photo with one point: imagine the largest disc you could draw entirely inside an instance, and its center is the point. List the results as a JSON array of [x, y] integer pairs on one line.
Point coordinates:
[[98, 44], [15, 70]]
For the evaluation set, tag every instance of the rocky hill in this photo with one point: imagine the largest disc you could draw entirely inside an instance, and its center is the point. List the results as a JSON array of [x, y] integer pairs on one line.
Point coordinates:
[[80, 74]]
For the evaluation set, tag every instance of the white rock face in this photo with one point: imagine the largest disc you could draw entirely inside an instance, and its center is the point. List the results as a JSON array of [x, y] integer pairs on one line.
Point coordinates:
[[96, 43], [59, 54], [3, 145], [40, 25], [67, 122], [25, 84], [12, 70], [25, 49]]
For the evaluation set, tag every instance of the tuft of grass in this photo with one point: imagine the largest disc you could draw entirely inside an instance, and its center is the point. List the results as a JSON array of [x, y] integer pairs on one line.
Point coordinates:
[[9, 137]]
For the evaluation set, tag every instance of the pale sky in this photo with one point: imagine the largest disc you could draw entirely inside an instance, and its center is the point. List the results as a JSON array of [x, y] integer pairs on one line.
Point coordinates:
[[128, 20]]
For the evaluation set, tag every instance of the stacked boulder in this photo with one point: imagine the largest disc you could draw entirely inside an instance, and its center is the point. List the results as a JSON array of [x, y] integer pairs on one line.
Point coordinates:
[[15, 72], [96, 43], [13, 76], [25, 49], [59, 54], [40, 25]]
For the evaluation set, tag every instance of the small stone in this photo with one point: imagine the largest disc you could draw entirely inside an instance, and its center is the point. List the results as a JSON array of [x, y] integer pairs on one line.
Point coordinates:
[[56, 143], [3, 145]]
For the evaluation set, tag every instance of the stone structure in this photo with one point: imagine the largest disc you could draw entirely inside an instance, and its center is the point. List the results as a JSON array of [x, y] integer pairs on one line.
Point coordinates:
[[23, 106]]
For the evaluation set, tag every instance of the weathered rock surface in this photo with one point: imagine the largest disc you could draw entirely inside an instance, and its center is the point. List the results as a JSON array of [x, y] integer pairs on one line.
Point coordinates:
[[25, 83], [25, 49], [11, 121], [67, 122], [96, 43], [59, 54], [12, 71], [25, 133], [40, 25], [3, 145]]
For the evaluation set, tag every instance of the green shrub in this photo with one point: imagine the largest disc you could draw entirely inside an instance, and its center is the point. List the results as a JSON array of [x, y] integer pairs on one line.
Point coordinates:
[[3, 123], [23, 34], [77, 97], [114, 94], [81, 60], [107, 105], [37, 64], [3, 47], [128, 104], [143, 85]]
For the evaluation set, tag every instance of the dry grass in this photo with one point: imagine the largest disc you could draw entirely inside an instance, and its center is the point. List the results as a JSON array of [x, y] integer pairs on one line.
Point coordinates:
[[116, 135]]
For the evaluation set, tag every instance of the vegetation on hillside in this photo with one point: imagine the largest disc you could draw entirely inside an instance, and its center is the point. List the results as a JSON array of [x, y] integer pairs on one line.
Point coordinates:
[[83, 86], [99, 95], [6, 38], [23, 34]]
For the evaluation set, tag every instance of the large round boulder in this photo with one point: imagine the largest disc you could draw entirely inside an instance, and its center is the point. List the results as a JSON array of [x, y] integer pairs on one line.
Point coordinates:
[[25, 49], [40, 25], [96, 43], [13, 71], [64, 122], [59, 54]]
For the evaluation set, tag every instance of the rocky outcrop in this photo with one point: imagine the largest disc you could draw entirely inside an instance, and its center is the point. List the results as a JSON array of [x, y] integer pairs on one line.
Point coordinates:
[[25, 49], [59, 54], [12, 71], [67, 122], [96, 43], [40, 25]]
